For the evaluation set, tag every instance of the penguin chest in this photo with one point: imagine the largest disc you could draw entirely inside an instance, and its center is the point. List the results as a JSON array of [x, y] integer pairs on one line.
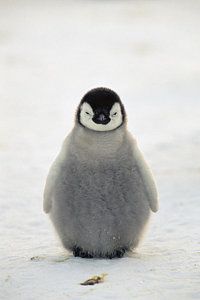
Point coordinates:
[[98, 190]]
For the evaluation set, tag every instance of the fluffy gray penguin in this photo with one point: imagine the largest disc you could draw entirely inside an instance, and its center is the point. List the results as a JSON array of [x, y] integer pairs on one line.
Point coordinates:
[[100, 192]]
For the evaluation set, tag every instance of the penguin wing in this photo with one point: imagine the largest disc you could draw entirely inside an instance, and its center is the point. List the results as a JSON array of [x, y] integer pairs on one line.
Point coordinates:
[[54, 173], [146, 177], [49, 187]]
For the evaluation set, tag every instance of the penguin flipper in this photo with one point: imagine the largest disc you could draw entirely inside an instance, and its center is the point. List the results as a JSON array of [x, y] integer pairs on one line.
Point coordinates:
[[146, 177], [49, 187], [47, 199], [54, 173], [47, 206]]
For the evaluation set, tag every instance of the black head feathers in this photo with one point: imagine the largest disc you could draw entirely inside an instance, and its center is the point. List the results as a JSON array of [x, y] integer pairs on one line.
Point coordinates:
[[101, 98]]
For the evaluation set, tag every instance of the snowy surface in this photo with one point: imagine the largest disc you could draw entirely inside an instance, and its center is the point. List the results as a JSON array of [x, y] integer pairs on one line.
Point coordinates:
[[51, 53]]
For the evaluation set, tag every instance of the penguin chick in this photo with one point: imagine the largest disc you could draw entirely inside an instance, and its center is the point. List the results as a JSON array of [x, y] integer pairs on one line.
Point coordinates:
[[100, 192]]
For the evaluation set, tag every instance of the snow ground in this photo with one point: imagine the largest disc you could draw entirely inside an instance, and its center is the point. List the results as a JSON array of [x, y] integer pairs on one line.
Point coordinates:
[[51, 52]]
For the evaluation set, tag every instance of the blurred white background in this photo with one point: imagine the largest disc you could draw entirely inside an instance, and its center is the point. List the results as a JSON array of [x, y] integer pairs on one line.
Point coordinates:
[[51, 53]]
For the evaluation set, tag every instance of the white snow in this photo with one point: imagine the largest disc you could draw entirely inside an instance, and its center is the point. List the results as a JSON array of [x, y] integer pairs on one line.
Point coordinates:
[[51, 53]]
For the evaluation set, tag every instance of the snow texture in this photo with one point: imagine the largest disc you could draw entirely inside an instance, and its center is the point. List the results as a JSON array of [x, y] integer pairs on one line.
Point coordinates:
[[51, 53]]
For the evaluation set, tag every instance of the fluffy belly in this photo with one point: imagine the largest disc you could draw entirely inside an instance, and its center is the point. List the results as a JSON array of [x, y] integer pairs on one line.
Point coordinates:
[[100, 210]]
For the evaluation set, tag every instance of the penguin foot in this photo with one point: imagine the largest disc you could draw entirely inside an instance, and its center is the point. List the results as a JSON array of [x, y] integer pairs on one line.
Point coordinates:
[[117, 253], [79, 252]]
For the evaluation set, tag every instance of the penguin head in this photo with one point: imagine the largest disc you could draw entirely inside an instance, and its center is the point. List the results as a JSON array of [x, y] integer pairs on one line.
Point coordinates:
[[101, 110]]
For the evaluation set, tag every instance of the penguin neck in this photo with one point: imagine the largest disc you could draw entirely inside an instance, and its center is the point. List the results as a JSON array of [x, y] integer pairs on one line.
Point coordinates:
[[100, 143]]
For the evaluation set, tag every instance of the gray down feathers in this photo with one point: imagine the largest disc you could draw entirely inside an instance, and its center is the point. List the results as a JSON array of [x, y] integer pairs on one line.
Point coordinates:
[[100, 192]]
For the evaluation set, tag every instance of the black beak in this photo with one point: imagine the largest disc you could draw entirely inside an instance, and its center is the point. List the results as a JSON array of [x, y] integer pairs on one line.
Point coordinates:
[[101, 119]]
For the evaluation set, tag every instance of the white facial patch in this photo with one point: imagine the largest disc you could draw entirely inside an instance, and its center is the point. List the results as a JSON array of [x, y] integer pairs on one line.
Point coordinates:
[[86, 115]]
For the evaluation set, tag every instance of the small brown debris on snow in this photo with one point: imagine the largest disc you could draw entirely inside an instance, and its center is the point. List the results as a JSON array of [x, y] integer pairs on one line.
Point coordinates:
[[95, 279]]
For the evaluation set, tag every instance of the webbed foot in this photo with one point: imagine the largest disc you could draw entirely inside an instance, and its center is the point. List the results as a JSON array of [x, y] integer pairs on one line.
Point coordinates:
[[118, 253], [79, 252]]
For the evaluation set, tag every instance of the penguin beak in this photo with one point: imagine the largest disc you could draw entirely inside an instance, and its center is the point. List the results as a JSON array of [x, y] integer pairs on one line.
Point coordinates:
[[101, 119]]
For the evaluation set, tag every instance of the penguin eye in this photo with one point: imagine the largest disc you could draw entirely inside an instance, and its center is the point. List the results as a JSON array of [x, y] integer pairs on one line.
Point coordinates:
[[87, 113], [115, 114]]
